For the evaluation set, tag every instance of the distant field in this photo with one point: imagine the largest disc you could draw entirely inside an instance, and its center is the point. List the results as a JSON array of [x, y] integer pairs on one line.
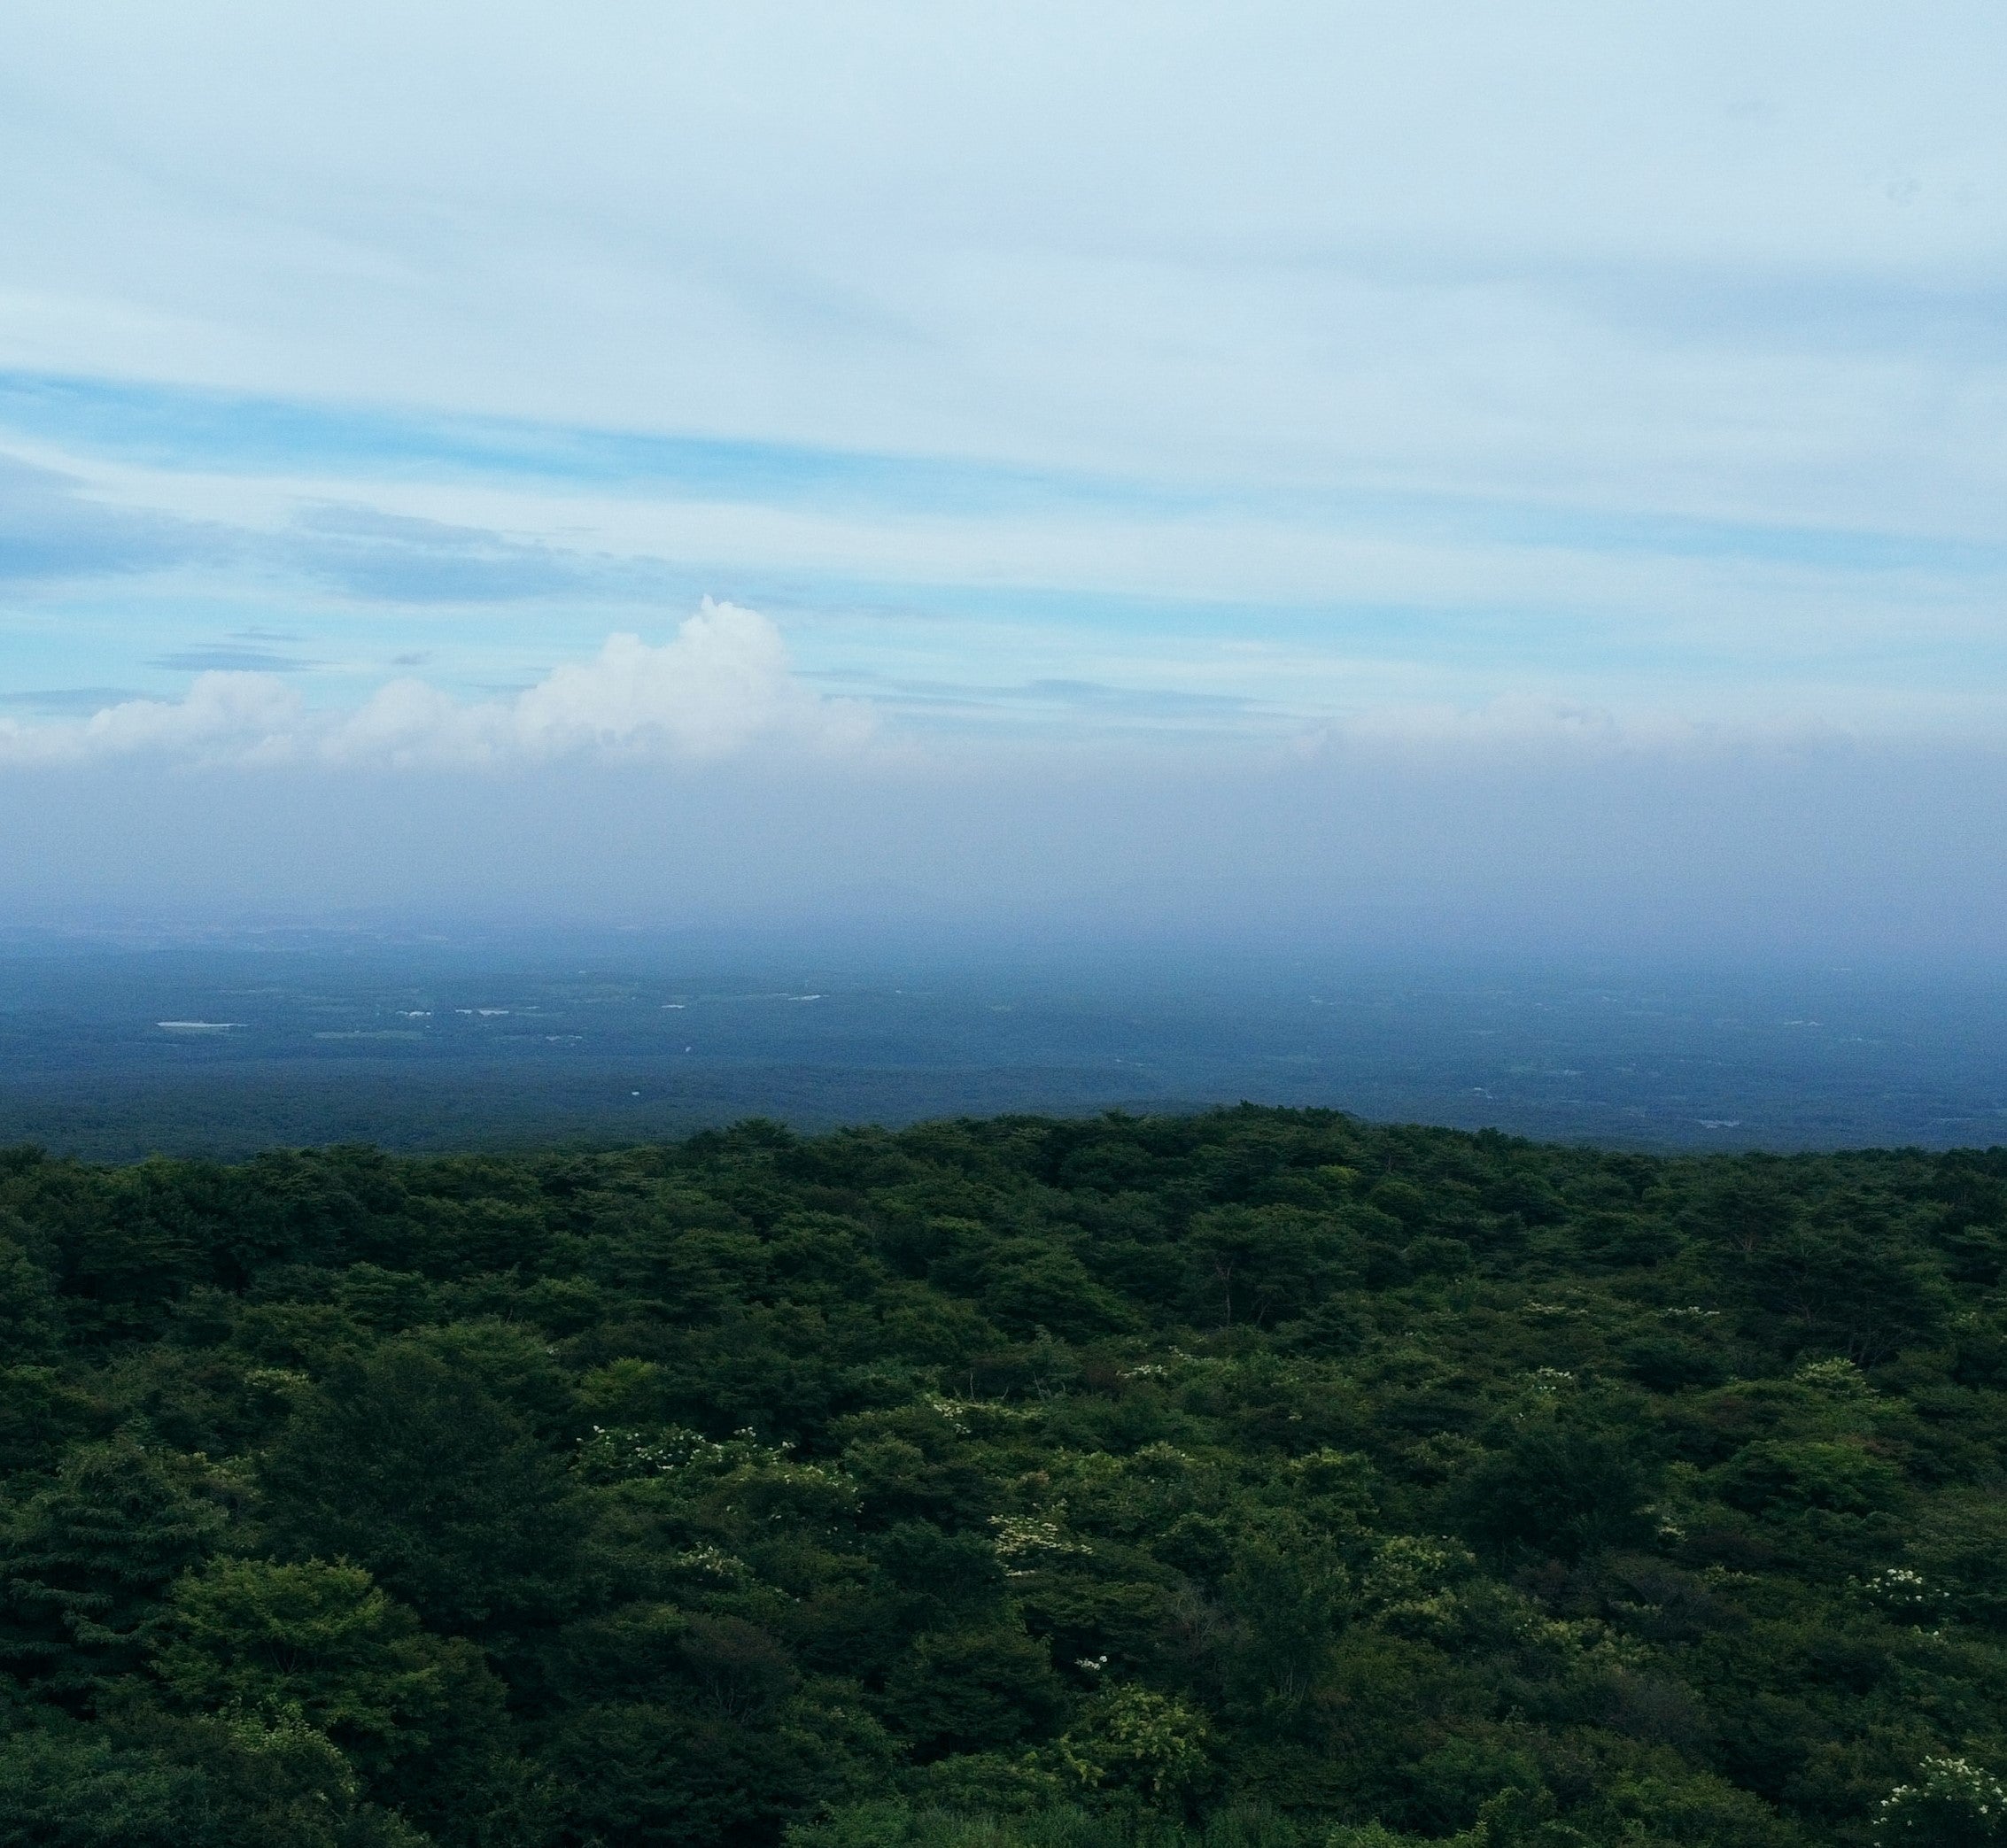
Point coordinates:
[[112, 1052]]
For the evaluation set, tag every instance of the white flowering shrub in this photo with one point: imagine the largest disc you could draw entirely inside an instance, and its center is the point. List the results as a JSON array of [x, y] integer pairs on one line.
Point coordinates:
[[1839, 1378], [1409, 1571], [1952, 1804], [1900, 1592], [1021, 1539], [1127, 1738], [618, 1454]]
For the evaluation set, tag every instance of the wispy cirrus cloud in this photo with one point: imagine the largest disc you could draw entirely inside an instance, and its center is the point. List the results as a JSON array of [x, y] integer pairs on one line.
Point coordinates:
[[1382, 367], [397, 557], [229, 658], [51, 529], [58, 527], [68, 701]]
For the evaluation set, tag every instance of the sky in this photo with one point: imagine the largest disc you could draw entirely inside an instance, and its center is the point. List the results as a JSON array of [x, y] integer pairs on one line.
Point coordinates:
[[1527, 473]]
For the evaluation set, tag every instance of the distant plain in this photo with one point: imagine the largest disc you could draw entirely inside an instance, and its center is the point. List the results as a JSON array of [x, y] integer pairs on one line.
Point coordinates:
[[434, 1042]]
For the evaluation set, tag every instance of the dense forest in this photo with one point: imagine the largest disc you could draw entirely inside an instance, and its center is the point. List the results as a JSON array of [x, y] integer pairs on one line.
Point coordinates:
[[1257, 1478]]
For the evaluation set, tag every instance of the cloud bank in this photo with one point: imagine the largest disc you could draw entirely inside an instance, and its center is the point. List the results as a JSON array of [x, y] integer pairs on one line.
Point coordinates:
[[1821, 856], [722, 686]]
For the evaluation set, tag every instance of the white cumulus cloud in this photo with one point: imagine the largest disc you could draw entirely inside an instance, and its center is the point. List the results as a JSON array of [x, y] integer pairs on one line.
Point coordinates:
[[721, 685]]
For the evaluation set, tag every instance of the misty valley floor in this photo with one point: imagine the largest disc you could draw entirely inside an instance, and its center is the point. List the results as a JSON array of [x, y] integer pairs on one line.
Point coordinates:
[[224, 1048]]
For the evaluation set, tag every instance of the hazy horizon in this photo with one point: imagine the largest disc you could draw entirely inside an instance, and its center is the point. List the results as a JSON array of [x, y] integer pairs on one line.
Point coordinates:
[[1514, 491]]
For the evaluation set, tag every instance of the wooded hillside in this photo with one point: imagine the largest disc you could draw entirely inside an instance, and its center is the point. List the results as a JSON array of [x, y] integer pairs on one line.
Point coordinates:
[[1262, 1475]]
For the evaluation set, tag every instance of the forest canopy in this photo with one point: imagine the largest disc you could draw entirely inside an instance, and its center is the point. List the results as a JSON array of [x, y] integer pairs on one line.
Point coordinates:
[[1262, 1478]]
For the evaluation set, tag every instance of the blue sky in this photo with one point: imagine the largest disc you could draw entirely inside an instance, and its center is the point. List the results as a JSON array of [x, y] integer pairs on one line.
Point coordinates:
[[1271, 386]]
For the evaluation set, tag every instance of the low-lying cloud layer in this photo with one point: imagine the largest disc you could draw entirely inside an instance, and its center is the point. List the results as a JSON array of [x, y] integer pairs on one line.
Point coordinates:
[[1826, 857], [722, 685]]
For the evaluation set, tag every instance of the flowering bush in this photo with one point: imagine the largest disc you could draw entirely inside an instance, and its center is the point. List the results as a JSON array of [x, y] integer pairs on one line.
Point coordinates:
[[1130, 1739], [1953, 1804]]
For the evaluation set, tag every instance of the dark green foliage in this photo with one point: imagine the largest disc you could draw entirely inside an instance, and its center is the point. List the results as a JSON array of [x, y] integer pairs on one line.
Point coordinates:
[[1260, 1479], [89, 1558], [404, 1463], [236, 1781], [974, 1691], [1557, 1489]]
